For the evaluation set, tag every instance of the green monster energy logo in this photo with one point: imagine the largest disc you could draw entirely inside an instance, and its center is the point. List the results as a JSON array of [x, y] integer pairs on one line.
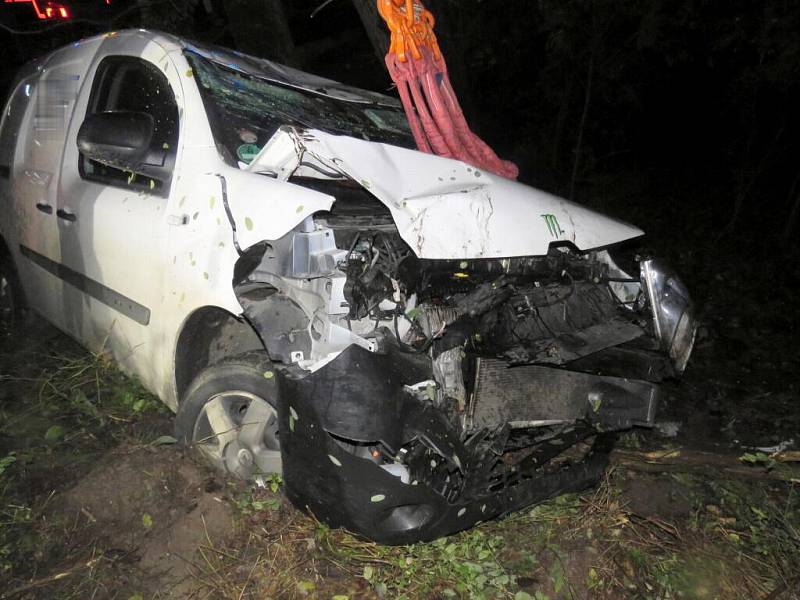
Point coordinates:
[[552, 225]]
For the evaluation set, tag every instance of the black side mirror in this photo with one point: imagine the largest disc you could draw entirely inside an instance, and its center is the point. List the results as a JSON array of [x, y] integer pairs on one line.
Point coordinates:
[[118, 139]]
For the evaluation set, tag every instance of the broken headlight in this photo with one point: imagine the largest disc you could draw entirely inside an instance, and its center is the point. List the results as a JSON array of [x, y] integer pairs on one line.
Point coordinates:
[[673, 313]]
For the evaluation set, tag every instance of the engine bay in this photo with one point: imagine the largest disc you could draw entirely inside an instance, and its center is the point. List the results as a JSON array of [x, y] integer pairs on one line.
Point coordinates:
[[347, 277]]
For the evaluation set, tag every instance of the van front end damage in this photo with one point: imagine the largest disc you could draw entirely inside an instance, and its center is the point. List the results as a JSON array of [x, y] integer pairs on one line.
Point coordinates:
[[364, 450], [418, 397], [421, 392]]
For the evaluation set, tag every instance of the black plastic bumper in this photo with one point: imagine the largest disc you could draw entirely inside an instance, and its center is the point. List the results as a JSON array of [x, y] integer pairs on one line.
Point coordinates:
[[360, 397]]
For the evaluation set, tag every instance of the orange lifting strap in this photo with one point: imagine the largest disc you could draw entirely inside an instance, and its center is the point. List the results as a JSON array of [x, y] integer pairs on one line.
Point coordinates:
[[434, 114], [411, 26]]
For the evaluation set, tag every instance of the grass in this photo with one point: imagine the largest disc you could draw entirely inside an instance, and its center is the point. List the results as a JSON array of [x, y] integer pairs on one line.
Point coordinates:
[[63, 408], [574, 546], [284, 553], [466, 565]]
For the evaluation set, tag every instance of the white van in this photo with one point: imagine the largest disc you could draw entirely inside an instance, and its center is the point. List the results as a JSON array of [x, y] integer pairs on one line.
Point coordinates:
[[416, 344]]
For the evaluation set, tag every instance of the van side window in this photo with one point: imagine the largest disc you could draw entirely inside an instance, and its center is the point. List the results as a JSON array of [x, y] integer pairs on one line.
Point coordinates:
[[10, 124], [124, 83]]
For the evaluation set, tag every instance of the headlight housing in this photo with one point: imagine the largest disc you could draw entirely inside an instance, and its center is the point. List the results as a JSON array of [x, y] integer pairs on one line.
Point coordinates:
[[673, 312]]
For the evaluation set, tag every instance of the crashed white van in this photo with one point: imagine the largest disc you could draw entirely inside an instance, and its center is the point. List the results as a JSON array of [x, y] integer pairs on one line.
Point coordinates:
[[416, 344]]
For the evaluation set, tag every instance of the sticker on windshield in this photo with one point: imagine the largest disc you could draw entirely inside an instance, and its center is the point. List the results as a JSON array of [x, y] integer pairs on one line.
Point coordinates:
[[247, 152]]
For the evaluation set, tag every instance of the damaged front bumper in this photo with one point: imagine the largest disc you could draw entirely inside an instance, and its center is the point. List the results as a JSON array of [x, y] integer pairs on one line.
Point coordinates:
[[365, 449]]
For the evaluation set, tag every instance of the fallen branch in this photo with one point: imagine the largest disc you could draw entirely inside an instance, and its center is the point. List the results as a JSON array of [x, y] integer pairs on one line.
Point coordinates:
[[52, 578], [693, 461]]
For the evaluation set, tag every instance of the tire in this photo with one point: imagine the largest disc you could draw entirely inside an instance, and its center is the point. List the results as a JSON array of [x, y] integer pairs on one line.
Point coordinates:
[[229, 414], [12, 299]]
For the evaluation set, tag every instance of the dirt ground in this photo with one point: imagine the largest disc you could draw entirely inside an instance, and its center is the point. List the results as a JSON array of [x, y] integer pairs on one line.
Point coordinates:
[[97, 502], [104, 505]]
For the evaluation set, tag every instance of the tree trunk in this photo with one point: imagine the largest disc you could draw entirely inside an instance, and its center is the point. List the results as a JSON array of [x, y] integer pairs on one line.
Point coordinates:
[[377, 32], [260, 28], [748, 178], [579, 144], [561, 120], [794, 214]]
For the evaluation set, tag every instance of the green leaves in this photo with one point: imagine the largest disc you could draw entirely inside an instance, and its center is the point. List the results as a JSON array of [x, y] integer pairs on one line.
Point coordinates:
[[466, 565], [760, 459], [85, 407], [54, 434], [164, 440], [412, 314], [274, 482], [305, 587], [557, 577], [7, 461], [254, 500]]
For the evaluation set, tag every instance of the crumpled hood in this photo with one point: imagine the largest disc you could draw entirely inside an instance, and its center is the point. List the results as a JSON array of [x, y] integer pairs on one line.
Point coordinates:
[[444, 208]]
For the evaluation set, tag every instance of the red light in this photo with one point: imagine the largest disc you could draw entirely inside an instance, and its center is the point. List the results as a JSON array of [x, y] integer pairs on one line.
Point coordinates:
[[52, 10]]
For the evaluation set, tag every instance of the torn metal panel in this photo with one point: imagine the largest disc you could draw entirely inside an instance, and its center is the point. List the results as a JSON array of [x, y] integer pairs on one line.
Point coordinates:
[[280, 322], [263, 208], [447, 209], [449, 374]]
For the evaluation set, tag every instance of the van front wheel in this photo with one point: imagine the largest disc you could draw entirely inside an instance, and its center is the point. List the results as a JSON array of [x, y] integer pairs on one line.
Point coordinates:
[[229, 414]]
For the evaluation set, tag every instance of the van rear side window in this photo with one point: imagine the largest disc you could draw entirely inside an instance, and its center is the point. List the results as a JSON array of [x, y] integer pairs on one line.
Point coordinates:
[[10, 125]]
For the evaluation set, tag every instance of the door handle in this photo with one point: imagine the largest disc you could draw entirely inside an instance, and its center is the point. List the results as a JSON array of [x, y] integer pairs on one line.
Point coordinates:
[[45, 208], [67, 216]]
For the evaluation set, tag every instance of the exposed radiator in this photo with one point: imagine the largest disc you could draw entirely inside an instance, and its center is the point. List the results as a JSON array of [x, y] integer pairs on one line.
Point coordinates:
[[532, 395]]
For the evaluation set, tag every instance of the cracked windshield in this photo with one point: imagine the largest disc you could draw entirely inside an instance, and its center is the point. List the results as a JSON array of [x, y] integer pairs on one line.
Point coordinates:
[[245, 111]]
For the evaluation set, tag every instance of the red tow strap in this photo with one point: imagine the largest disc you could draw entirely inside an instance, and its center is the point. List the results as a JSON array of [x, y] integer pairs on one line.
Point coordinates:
[[434, 114]]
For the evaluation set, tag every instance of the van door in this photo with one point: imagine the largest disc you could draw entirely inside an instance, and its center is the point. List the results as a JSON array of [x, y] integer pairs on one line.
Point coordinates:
[[112, 223], [33, 175]]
